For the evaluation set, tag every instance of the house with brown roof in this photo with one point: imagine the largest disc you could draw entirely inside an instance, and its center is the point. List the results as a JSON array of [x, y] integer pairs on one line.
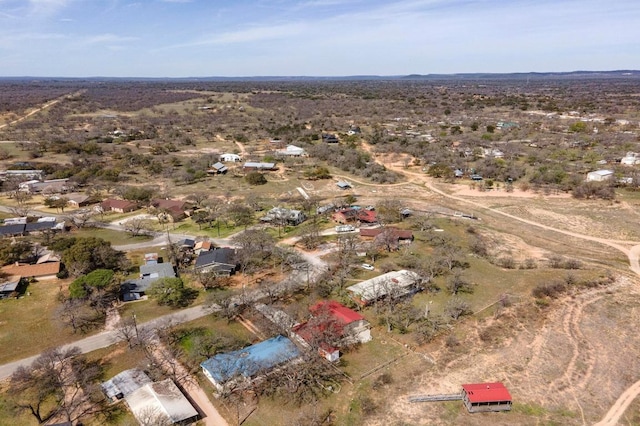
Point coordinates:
[[42, 271], [118, 206], [351, 214], [387, 236], [177, 209]]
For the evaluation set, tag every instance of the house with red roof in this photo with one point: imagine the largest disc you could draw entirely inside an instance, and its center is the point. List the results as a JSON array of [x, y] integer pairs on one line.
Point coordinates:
[[176, 209], [481, 397], [351, 214], [332, 326]]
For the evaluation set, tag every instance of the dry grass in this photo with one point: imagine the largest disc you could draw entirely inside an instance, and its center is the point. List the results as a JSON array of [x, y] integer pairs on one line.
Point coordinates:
[[28, 325]]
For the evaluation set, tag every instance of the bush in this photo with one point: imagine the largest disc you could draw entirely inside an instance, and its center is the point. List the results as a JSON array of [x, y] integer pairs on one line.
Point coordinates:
[[550, 290], [255, 178]]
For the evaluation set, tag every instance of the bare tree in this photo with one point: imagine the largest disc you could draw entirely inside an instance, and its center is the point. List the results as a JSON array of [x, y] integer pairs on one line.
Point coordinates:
[[137, 226], [59, 381]]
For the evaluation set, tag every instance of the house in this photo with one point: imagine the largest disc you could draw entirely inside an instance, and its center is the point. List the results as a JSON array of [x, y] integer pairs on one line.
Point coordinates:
[[12, 229], [124, 383], [481, 397], [276, 142], [631, 159], [599, 175], [280, 215], [134, 289], [332, 324], [245, 364], [21, 174], [187, 244], [202, 246], [43, 225], [329, 138], [220, 260], [176, 209], [378, 234], [118, 206], [392, 284], [78, 200], [291, 151], [343, 185], [41, 272], [230, 158], [10, 287], [53, 186], [325, 209], [217, 169], [351, 214], [164, 401], [249, 165]]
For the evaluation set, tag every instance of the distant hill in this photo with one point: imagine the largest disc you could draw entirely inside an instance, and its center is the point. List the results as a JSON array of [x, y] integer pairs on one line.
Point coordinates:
[[627, 74]]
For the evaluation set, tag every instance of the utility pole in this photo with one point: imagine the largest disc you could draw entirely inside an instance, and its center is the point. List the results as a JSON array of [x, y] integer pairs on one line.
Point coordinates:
[[135, 325]]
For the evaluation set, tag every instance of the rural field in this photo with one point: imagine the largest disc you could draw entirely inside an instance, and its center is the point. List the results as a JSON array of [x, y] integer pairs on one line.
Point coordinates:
[[527, 270]]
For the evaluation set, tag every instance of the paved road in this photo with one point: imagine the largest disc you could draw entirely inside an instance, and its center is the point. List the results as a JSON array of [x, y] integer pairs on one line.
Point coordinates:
[[108, 338]]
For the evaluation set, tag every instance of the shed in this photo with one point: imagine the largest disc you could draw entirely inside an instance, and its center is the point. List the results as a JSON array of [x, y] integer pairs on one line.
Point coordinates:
[[480, 397], [259, 166], [599, 175], [164, 400]]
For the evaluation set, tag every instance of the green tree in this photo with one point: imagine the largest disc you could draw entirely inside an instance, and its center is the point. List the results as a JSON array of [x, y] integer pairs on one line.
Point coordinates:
[[15, 252], [172, 292], [98, 279], [255, 178], [83, 255], [58, 203]]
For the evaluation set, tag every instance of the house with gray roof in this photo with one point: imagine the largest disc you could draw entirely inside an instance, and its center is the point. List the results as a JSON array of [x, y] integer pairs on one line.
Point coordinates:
[[149, 273]]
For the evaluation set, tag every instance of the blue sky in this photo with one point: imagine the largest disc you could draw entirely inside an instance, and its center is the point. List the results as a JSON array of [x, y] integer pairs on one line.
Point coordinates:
[[187, 38]]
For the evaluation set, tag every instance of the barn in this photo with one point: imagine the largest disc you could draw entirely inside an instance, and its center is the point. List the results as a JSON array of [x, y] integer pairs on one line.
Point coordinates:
[[481, 397]]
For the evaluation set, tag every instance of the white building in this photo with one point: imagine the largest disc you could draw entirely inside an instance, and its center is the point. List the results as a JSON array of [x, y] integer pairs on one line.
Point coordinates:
[[161, 403], [291, 151], [230, 158], [631, 159], [599, 175], [392, 284]]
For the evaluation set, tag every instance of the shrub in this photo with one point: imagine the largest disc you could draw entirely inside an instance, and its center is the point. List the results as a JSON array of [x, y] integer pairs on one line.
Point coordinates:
[[552, 290], [255, 178]]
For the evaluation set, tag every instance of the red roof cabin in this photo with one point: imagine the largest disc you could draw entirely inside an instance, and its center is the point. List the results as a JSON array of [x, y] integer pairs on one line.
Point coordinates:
[[481, 397], [333, 325]]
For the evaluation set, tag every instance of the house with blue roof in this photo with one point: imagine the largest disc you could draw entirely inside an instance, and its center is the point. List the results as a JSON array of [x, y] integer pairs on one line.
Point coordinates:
[[247, 363]]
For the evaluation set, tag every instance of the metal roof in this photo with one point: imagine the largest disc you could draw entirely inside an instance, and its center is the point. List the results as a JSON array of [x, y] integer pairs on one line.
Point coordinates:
[[163, 399], [250, 360], [125, 383], [486, 392]]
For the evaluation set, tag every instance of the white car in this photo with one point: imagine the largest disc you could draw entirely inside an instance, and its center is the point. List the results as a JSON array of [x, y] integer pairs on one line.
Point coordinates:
[[345, 228], [367, 267]]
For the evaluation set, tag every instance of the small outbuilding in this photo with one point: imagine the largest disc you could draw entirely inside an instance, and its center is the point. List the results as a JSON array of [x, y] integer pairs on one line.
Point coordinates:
[[481, 397], [599, 175]]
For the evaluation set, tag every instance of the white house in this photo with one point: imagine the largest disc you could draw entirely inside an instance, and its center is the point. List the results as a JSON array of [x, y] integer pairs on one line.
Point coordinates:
[[291, 151], [230, 158], [631, 159], [599, 175]]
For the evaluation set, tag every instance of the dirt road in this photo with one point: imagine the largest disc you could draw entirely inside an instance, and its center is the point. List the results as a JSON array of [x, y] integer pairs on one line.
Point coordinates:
[[630, 248], [41, 108]]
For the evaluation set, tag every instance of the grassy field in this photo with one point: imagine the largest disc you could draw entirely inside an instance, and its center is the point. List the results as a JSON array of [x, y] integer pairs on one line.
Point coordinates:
[[28, 325], [114, 237]]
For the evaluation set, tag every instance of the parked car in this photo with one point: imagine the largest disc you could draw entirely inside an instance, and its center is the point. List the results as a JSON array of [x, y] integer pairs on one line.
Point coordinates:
[[345, 228], [367, 267]]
